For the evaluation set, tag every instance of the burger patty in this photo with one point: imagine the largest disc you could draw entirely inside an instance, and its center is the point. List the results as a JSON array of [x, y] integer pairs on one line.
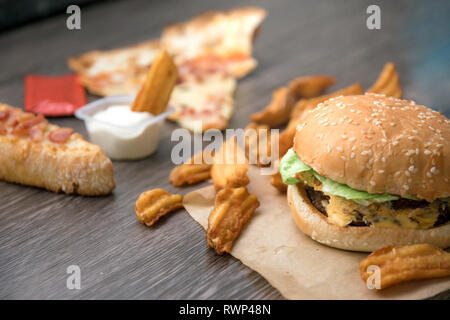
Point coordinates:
[[319, 200]]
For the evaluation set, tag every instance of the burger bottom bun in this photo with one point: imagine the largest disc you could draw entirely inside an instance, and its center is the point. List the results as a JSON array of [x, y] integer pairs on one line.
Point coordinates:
[[315, 224]]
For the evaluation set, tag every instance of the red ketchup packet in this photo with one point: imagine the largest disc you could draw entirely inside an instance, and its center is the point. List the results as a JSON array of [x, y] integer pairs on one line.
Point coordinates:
[[54, 96]]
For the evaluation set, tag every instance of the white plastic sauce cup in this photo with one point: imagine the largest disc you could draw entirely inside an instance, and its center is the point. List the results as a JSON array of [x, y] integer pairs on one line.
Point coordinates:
[[121, 142]]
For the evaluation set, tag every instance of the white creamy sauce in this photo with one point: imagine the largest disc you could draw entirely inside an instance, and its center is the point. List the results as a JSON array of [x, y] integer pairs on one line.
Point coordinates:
[[124, 134], [121, 115]]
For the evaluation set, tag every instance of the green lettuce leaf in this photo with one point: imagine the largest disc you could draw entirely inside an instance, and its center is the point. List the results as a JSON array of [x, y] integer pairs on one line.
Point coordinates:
[[344, 191], [291, 164]]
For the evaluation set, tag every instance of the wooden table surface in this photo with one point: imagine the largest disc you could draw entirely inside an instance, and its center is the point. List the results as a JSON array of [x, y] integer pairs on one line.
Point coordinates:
[[42, 233]]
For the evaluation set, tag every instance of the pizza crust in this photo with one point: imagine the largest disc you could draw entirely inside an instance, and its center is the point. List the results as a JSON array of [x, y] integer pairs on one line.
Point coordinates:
[[74, 167]]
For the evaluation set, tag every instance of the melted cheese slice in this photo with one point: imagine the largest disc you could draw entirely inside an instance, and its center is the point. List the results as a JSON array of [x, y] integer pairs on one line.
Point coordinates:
[[342, 212]]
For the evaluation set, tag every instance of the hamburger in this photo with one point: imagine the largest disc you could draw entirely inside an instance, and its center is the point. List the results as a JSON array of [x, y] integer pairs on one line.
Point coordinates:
[[369, 171]]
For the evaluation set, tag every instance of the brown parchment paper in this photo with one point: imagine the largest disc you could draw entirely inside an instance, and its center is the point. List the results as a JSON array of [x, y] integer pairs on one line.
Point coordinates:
[[300, 268]]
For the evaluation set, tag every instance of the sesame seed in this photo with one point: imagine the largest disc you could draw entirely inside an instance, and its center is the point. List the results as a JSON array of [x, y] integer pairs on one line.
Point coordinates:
[[427, 152], [372, 183], [433, 170], [380, 171]]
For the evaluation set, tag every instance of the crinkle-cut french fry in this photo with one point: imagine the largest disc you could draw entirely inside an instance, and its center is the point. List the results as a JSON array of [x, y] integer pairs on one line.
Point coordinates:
[[387, 82], [283, 99], [310, 86], [399, 264], [232, 209], [196, 170], [155, 92], [230, 166], [189, 174], [279, 109], [153, 204]]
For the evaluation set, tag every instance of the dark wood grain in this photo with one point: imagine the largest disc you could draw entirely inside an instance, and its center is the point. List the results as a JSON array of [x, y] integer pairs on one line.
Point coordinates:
[[42, 233]]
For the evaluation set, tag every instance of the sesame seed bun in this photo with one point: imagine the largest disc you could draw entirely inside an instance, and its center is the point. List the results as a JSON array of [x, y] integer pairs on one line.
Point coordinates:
[[367, 239], [378, 144]]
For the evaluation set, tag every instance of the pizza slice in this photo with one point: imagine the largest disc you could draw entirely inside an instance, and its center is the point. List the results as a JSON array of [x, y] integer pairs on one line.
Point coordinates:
[[115, 72], [215, 42], [36, 153], [210, 51]]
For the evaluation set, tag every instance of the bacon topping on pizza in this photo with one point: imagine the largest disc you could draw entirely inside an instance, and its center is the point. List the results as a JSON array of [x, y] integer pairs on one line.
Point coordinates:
[[60, 135], [16, 122]]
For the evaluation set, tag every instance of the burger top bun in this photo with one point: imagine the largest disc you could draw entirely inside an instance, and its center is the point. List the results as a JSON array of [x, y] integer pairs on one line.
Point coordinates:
[[378, 144]]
